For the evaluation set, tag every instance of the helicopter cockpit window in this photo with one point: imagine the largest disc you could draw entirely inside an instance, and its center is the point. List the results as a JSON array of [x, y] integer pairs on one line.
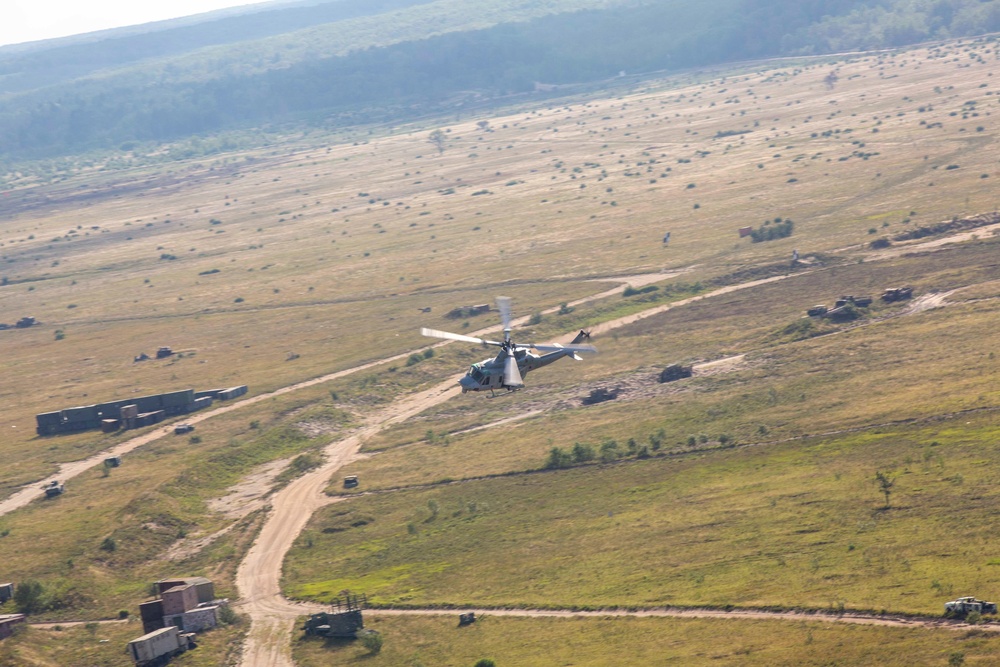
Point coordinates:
[[476, 374]]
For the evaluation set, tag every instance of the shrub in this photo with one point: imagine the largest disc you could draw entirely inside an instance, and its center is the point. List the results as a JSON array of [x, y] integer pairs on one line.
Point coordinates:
[[109, 544], [768, 232], [558, 459], [372, 641], [583, 453], [609, 451], [485, 662], [227, 615], [28, 596]]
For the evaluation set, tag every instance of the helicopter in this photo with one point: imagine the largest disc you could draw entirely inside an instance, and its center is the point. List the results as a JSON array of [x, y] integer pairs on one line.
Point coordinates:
[[514, 361]]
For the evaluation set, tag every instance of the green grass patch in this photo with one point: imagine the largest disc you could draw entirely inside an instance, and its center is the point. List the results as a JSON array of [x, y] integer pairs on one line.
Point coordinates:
[[800, 524], [597, 642]]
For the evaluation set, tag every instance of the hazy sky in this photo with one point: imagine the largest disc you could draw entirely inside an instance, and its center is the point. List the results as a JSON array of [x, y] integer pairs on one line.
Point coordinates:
[[29, 20]]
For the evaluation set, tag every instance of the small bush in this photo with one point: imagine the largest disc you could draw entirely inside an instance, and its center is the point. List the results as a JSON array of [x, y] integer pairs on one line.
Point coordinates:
[[372, 641], [583, 453], [227, 615], [558, 458], [768, 232]]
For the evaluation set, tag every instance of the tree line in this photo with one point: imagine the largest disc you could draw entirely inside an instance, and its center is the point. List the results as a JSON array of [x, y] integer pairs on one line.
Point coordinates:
[[418, 77]]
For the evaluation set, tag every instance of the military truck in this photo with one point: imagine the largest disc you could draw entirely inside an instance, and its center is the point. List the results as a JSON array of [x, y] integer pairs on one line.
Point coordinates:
[[967, 605], [897, 294], [53, 489]]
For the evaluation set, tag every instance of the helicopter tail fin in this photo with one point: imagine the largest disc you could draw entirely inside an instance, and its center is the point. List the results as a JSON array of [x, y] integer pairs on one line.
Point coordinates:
[[581, 337]]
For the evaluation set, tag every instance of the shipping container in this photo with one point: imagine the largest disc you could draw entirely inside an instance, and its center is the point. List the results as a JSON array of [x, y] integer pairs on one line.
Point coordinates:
[[112, 409], [49, 418], [195, 620], [110, 425], [178, 398], [151, 614], [179, 599], [204, 587], [153, 647], [149, 418], [73, 427], [80, 414], [149, 403], [129, 411], [211, 393]]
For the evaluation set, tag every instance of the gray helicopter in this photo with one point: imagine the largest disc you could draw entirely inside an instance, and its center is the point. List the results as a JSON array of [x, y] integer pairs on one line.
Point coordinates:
[[506, 370]]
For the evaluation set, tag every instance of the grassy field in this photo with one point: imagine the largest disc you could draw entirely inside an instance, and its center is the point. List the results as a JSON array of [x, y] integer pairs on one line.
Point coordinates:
[[801, 524], [101, 645], [791, 382], [279, 266], [545, 642]]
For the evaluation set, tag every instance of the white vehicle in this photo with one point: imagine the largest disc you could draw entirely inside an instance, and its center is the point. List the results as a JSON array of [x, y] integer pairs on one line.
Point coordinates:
[[967, 605]]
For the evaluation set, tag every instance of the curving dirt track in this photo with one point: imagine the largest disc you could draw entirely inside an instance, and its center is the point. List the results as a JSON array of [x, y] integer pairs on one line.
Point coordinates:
[[259, 575]]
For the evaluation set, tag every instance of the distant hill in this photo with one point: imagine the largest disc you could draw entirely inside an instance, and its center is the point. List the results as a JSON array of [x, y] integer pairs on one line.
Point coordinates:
[[349, 61]]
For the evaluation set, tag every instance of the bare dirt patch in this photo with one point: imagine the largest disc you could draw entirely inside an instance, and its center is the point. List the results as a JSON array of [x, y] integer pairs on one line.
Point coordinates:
[[251, 493]]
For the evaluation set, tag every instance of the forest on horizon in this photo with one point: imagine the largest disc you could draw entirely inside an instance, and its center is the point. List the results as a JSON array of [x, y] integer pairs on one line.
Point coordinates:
[[353, 62]]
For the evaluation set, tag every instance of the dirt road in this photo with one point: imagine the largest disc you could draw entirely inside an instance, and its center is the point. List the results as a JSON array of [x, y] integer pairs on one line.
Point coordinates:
[[72, 469], [258, 579]]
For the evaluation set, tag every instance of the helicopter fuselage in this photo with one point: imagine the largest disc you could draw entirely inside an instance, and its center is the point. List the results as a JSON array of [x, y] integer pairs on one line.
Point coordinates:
[[487, 375]]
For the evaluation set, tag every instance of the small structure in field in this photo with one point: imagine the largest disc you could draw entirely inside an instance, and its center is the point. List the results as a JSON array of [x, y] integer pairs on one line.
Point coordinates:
[[7, 623]]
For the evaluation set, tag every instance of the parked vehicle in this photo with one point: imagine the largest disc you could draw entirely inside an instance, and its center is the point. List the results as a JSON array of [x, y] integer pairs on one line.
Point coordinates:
[[967, 605], [53, 489]]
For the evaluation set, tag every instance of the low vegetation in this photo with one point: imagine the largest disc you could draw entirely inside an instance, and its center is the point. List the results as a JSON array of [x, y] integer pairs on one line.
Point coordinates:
[[595, 642], [754, 483]]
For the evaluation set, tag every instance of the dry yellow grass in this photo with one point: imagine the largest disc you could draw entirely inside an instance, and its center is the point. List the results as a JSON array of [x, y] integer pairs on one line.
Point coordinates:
[[329, 252]]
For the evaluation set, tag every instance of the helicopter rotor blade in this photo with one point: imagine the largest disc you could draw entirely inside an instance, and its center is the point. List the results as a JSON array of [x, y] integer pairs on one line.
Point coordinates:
[[447, 335], [511, 373], [553, 347], [504, 306]]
